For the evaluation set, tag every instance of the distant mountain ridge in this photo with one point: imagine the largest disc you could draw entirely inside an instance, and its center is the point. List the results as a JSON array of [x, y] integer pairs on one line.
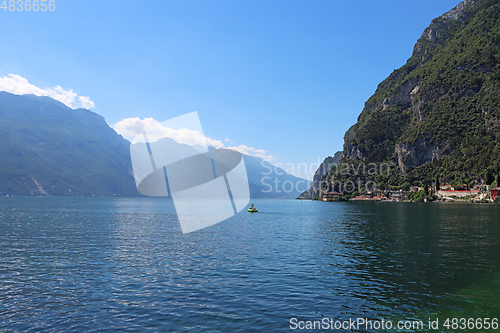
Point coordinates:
[[47, 148], [50, 149], [269, 181]]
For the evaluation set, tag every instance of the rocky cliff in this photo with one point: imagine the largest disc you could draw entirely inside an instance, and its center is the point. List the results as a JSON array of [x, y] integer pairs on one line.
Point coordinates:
[[313, 191], [438, 115], [447, 88]]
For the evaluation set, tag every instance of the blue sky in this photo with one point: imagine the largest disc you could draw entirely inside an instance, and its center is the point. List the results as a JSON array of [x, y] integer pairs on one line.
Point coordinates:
[[281, 76]]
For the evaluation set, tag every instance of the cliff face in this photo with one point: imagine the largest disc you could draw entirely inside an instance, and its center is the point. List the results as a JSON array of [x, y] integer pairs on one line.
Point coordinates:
[[314, 190], [439, 114], [446, 93], [412, 155]]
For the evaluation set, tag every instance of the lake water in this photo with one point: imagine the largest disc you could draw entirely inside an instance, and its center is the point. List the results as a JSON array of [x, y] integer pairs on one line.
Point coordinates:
[[95, 264]]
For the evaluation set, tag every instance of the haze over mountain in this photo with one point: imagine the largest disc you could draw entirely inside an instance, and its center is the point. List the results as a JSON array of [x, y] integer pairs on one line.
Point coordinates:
[[47, 148], [438, 116]]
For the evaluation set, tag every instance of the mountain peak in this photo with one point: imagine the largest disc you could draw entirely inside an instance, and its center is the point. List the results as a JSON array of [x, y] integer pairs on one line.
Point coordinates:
[[460, 11], [443, 27]]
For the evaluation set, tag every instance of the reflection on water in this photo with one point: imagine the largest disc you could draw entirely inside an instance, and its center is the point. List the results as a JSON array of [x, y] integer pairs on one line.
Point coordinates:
[[112, 264], [412, 256]]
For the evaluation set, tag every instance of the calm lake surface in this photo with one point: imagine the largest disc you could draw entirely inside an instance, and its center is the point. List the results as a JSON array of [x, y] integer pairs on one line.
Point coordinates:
[[95, 264]]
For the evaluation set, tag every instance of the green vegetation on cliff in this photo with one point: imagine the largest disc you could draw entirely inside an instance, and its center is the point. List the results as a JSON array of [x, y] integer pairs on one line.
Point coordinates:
[[438, 116]]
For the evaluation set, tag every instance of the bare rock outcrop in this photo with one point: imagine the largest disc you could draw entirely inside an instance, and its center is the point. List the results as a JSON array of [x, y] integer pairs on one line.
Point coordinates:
[[324, 168], [404, 96], [410, 155]]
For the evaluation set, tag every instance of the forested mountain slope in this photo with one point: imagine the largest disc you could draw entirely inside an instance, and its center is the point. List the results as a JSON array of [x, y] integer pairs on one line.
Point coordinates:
[[438, 116]]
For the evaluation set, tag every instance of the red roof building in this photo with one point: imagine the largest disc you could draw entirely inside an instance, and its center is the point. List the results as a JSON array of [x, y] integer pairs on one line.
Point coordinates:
[[495, 193]]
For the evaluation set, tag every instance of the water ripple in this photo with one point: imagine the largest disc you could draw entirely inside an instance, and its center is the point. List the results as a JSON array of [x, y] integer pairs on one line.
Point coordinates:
[[89, 264]]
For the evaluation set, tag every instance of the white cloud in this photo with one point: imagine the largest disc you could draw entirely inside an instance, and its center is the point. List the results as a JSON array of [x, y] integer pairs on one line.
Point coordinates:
[[86, 102], [251, 151], [131, 128], [18, 85]]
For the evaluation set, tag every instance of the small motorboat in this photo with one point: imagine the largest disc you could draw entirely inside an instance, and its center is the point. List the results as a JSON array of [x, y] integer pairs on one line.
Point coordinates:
[[252, 210]]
